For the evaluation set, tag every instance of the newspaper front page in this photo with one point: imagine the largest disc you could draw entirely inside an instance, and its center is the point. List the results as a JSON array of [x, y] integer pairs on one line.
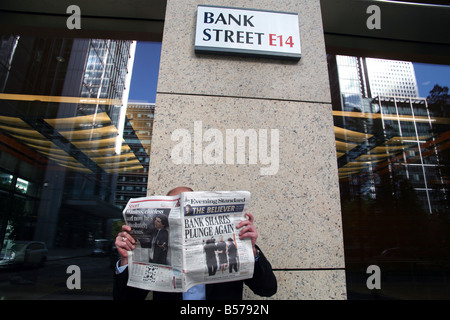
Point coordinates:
[[188, 239]]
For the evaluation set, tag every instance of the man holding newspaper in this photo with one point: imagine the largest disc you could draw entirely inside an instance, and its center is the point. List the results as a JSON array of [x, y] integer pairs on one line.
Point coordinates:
[[262, 281]]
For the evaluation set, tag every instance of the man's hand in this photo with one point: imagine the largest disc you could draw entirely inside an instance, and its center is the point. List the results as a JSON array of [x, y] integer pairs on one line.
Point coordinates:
[[124, 242], [248, 230]]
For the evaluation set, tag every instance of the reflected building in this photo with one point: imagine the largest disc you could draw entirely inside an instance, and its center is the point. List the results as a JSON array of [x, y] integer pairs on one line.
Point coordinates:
[[356, 78], [393, 158], [390, 78], [62, 118], [138, 135], [386, 136]]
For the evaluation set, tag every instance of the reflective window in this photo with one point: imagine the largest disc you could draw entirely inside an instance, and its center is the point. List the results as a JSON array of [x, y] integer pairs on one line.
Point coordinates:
[[393, 157], [74, 147]]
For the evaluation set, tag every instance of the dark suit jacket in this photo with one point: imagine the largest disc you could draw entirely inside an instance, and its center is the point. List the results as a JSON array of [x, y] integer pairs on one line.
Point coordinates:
[[159, 254], [263, 283]]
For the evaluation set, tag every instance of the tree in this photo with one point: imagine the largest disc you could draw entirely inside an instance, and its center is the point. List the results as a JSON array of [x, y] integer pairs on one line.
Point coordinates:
[[439, 100]]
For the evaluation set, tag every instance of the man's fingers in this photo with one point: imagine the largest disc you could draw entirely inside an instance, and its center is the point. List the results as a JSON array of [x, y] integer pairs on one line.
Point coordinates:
[[125, 236], [247, 228], [245, 223], [124, 241], [126, 228], [250, 220], [250, 234]]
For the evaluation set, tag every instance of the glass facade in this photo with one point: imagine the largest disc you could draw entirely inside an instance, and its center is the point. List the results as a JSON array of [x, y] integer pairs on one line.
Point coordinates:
[[393, 161], [74, 149], [72, 152]]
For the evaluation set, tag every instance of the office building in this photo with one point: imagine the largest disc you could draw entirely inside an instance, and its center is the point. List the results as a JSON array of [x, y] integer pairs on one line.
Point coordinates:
[[359, 159], [62, 159], [138, 135], [398, 128], [391, 78], [362, 77]]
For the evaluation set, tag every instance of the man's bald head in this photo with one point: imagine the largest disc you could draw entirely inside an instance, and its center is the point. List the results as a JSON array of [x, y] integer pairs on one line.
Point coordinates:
[[176, 191]]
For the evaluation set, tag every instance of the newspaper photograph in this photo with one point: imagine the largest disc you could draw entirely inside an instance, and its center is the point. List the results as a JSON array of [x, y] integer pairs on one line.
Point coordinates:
[[188, 239]]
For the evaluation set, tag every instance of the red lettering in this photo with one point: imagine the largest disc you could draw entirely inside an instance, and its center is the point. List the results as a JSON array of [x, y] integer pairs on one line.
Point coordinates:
[[272, 39], [290, 42]]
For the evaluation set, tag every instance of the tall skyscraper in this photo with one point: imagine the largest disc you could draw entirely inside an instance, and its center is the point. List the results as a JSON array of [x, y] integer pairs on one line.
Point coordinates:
[[391, 78], [63, 112], [360, 77], [383, 128]]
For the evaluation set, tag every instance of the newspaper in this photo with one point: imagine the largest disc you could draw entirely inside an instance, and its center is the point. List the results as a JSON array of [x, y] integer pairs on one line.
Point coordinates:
[[188, 239]]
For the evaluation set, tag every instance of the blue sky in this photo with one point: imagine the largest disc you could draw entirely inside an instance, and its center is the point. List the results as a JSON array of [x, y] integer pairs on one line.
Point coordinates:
[[427, 75], [146, 67], [144, 78]]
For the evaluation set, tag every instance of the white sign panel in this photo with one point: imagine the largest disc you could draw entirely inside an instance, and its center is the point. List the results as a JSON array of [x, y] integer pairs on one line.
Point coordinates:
[[247, 32]]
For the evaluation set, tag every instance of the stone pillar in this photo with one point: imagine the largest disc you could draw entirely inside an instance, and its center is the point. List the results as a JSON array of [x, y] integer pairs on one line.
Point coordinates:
[[296, 203]]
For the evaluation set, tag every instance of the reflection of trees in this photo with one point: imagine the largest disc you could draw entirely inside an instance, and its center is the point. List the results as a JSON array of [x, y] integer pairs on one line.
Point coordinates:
[[438, 101], [116, 227], [439, 105]]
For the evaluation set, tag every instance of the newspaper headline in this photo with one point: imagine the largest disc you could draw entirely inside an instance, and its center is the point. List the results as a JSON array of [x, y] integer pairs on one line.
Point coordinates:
[[188, 239]]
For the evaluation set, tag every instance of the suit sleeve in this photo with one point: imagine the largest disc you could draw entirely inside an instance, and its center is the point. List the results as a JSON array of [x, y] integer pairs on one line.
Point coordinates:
[[264, 282]]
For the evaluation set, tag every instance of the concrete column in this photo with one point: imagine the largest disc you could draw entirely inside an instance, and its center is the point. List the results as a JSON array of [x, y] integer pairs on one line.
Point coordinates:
[[296, 201]]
